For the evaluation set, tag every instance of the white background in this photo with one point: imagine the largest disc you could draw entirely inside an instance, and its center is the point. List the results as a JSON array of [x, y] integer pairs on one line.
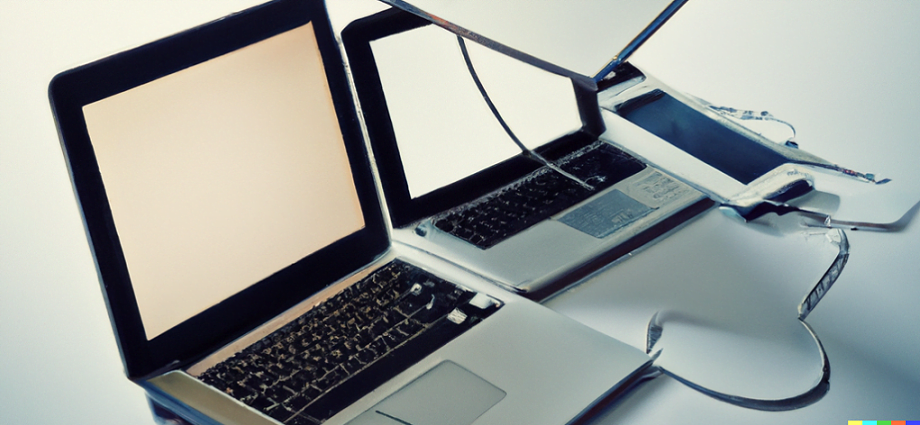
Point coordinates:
[[843, 72]]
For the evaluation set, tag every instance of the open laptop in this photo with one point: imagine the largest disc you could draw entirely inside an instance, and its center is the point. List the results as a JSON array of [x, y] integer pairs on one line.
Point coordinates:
[[532, 219], [653, 156], [233, 216]]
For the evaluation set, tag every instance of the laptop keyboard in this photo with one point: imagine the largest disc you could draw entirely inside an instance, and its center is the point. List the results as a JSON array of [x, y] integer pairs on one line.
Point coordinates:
[[325, 360], [538, 196]]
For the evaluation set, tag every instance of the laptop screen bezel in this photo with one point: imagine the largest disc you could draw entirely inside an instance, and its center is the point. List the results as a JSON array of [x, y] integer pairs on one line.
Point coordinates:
[[403, 208], [220, 324]]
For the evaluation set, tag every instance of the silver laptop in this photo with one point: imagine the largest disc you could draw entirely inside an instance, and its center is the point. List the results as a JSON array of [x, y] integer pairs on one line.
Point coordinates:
[[459, 186], [232, 212], [627, 158]]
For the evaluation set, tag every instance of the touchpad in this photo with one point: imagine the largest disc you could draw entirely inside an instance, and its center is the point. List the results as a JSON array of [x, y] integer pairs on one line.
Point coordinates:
[[445, 395]]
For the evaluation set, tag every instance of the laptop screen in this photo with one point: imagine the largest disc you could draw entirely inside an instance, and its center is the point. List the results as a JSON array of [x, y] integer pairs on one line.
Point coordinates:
[[446, 132], [223, 173]]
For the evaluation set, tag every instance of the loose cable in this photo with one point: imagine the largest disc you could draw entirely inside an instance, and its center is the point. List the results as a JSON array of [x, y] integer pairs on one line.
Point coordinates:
[[501, 121], [747, 115], [804, 399]]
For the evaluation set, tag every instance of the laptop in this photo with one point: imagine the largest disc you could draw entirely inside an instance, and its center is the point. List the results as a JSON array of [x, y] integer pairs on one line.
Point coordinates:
[[534, 218], [653, 157], [233, 216]]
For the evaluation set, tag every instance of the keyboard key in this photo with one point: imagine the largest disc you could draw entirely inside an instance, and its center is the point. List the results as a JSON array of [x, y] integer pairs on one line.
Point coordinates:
[[301, 420], [538, 196], [338, 351]]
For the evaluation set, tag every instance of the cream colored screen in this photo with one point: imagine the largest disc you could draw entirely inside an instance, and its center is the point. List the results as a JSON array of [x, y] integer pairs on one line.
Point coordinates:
[[222, 174]]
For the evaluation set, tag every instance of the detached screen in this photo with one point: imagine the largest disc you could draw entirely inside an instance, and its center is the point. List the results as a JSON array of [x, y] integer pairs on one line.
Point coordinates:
[[223, 173], [686, 128]]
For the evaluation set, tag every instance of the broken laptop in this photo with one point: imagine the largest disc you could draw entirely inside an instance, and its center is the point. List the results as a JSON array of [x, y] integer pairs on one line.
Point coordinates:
[[538, 195], [231, 208], [710, 148], [533, 212]]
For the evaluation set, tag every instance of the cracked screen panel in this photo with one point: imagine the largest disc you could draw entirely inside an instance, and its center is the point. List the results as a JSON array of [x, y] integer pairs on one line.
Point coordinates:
[[446, 132], [218, 174]]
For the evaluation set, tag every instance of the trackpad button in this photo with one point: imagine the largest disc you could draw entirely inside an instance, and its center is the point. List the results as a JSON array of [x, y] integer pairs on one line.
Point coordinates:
[[445, 395]]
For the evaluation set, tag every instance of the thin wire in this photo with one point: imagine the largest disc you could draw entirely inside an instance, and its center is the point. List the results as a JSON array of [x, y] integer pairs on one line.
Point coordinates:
[[485, 96], [747, 114], [868, 177]]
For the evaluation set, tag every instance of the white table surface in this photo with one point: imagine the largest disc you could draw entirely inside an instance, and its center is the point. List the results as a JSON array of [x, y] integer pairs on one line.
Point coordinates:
[[843, 73]]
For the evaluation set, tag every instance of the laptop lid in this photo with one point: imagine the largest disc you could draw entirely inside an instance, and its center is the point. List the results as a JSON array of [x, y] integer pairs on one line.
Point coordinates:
[[222, 178], [438, 145], [583, 39]]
